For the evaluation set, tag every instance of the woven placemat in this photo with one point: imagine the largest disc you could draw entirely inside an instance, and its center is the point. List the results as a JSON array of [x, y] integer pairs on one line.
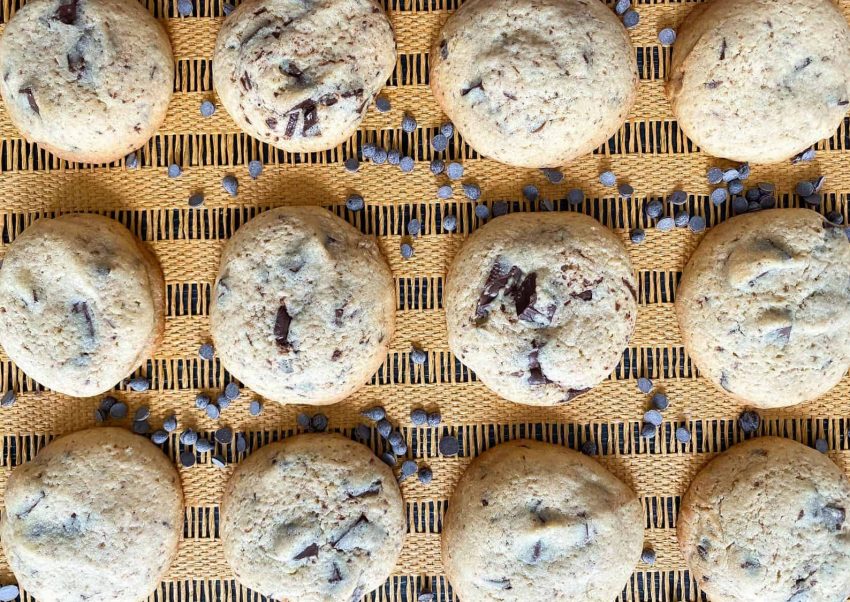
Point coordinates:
[[649, 152]]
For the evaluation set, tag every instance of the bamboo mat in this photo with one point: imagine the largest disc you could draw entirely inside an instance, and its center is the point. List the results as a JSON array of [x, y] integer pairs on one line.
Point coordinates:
[[649, 152]]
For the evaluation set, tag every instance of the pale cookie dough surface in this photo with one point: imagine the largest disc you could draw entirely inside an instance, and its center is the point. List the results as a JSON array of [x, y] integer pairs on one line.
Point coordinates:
[[89, 80], [763, 306], [314, 518], [300, 75], [304, 306], [761, 80], [541, 306], [81, 303], [95, 517], [536, 521], [766, 521], [534, 83]]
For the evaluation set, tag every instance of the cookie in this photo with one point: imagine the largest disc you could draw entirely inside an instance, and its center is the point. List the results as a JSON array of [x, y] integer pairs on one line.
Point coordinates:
[[78, 523], [337, 539], [762, 306], [88, 80], [766, 521], [761, 80], [304, 306], [534, 83], [535, 521], [298, 75], [540, 307], [81, 303]]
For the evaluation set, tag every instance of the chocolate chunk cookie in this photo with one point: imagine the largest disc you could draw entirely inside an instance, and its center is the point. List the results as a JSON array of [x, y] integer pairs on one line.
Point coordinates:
[[763, 306], [534, 83], [761, 80], [541, 306], [315, 518], [95, 517], [89, 80], [300, 75], [766, 521], [535, 521], [304, 306], [81, 303]]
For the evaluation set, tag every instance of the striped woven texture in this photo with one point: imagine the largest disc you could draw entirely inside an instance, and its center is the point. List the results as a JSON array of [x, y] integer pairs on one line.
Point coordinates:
[[649, 152]]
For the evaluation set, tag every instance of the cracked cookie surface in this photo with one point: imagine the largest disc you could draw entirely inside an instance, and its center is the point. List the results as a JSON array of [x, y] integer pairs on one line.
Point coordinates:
[[89, 80], [78, 522], [81, 303], [766, 521], [554, 524], [763, 306], [300, 75], [750, 81], [304, 306], [314, 518], [540, 307], [534, 83]]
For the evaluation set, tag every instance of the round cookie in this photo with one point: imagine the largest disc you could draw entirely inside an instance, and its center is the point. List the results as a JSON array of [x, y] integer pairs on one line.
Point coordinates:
[[761, 80], [81, 303], [554, 523], [300, 75], [304, 306], [540, 307], [336, 539], [762, 306], [766, 521], [534, 83], [88, 80], [79, 524]]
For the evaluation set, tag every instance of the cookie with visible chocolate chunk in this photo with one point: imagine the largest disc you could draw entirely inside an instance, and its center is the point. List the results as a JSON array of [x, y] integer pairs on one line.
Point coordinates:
[[541, 306], [338, 539], [765, 520], [561, 527], [300, 75], [88, 80], [748, 80], [81, 303], [304, 306], [534, 83], [95, 517], [763, 306]]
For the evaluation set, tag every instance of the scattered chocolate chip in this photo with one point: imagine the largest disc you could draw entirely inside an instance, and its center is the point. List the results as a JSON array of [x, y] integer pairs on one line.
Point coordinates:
[[170, 423], [143, 413], [637, 236], [648, 430], [384, 427], [187, 458], [449, 445], [393, 156], [665, 224], [230, 185], [439, 143], [749, 421], [202, 401], [222, 401], [389, 459], [482, 211], [303, 420], [406, 164], [139, 384], [454, 170], [805, 188], [714, 176], [682, 219], [99, 415], [530, 192], [204, 446], [718, 196], [631, 18], [406, 250], [319, 423], [654, 209], [218, 461], [159, 437], [644, 385], [648, 556], [9, 593], [608, 178], [206, 352], [426, 597], [625, 190], [660, 402], [255, 407], [213, 411], [805, 156], [653, 417], [375, 413], [8, 400], [683, 435], [408, 123], [207, 108], [185, 8], [667, 36], [188, 437], [141, 427], [696, 224], [382, 104], [352, 164], [255, 168], [224, 435], [444, 192], [408, 468], [174, 171], [434, 419], [414, 227], [821, 445], [622, 6], [575, 196], [418, 356], [835, 218], [588, 448], [472, 191], [196, 200], [553, 175]]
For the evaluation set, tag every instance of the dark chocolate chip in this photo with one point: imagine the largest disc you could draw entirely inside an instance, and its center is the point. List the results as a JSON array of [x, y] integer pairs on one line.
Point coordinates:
[[749, 421], [281, 327], [449, 445], [310, 551], [67, 12]]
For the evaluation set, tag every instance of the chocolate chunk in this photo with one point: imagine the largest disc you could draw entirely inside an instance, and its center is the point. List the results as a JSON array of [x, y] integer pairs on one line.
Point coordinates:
[[76, 63], [535, 372], [833, 517], [724, 381], [361, 520], [281, 327], [329, 100], [535, 551], [723, 50], [358, 593], [290, 125], [336, 576], [311, 120], [310, 551], [292, 70], [245, 80], [803, 64], [781, 335], [67, 12], [702, 550], [503, 583], [497, 279], [444, 49], [373, 489], [30, 99], [525, 294], [631, 288], [356, 93], [573, 393], [477, 85], [82, 308], [750, 563], [271, 122], [711, 85], [584, 295]]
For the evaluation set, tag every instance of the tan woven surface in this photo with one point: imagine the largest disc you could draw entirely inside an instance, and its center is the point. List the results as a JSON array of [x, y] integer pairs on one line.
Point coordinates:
[[649, 152]]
